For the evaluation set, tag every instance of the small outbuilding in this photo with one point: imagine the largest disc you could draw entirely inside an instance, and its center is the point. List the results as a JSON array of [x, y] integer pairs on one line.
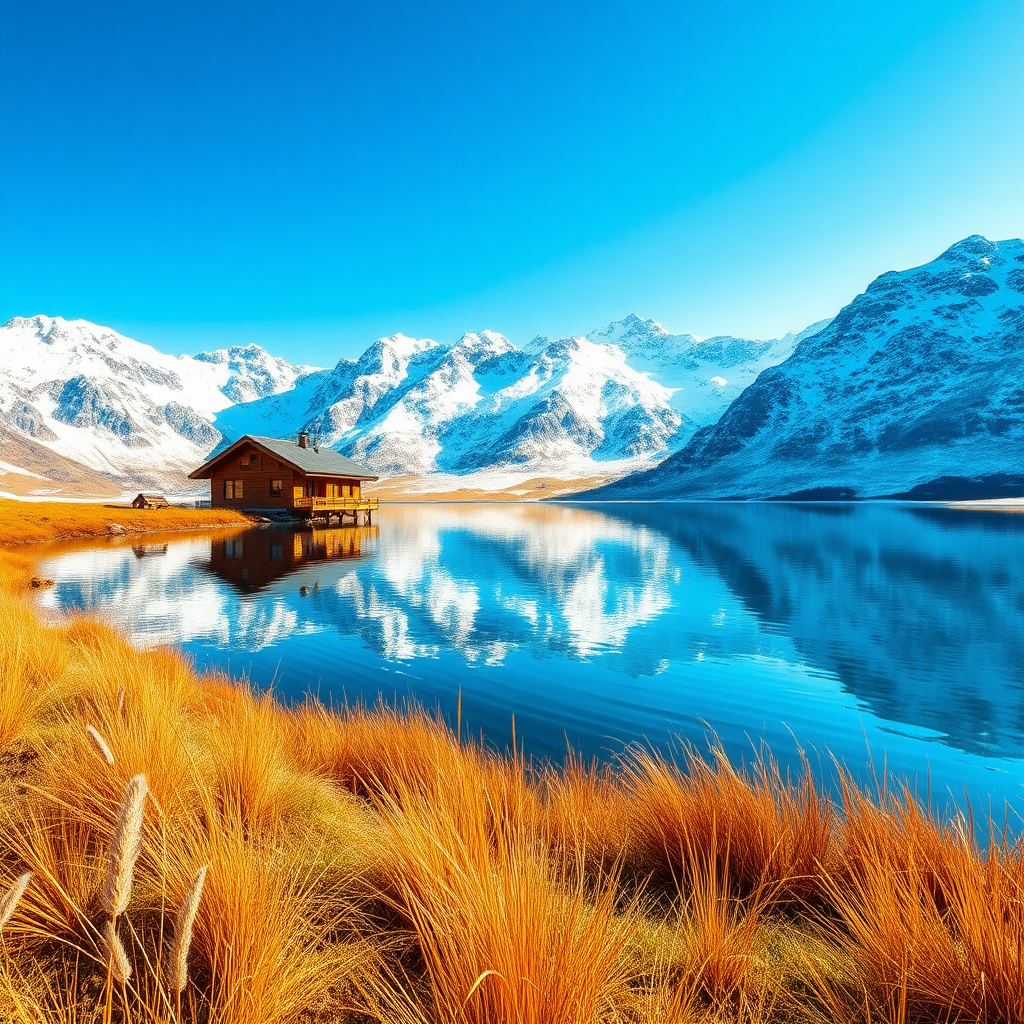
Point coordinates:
[[150, 501]]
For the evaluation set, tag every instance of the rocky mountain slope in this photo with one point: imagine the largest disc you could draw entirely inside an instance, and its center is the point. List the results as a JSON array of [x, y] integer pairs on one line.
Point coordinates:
[[84, 406], [617, 399], [916, 388]]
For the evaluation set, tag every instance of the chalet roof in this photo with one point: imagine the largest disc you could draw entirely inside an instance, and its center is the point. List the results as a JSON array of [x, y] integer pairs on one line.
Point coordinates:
[[311, 461]]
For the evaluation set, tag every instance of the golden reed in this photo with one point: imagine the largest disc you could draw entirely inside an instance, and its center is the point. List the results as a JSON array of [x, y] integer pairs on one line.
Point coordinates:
[[183, 925], [125, 848]]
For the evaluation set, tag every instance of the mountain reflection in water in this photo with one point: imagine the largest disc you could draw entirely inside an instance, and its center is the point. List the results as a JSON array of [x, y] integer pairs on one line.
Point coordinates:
[[894, 626]]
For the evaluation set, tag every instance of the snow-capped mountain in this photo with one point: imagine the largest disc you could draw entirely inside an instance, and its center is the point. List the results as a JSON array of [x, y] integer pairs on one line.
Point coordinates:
[[72, 392], [617, 399], [705, 375], [916, 387], [75, 397], [917, 380]]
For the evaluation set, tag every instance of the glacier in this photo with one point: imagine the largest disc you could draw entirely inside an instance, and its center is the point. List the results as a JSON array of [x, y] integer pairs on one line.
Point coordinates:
[[478, 409]]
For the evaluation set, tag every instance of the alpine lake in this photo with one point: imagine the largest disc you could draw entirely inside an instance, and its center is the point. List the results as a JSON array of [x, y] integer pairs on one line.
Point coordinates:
[[888, 638]]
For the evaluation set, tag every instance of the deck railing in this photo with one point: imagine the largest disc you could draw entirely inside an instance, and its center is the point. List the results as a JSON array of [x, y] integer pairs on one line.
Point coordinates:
[[336, 504]]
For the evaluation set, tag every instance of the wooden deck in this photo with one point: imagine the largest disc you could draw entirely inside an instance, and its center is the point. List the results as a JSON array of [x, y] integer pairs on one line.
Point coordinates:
[[340, 506]]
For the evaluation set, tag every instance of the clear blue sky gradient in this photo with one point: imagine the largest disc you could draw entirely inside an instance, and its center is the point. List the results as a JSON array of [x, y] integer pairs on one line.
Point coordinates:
[[313, 175]]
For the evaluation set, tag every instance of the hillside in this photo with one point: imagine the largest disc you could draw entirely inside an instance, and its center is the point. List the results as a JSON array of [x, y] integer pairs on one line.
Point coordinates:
[[914, 388]]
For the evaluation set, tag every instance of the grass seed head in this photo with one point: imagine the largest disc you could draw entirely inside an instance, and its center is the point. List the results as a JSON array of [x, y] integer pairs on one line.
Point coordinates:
[[9, 902], [100, 744], [117, 958], [178, 974], [125, 848]]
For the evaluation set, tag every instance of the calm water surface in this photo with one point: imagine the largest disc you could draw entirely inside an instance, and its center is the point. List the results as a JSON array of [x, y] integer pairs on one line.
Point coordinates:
[[889, 635]]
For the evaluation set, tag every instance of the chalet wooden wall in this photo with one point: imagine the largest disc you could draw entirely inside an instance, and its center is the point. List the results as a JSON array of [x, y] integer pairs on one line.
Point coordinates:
[[256, 477]]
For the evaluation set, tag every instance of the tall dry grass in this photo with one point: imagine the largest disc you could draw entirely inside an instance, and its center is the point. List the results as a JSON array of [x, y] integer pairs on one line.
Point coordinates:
[[762, 830], [23, 522], [366, 864], [931, 924]]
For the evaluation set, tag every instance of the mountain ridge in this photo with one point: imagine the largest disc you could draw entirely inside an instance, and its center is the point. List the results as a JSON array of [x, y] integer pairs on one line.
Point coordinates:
[[469, 408], [122, 410]]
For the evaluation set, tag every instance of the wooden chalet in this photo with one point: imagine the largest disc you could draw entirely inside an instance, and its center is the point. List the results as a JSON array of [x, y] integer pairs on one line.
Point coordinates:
[[271, 474]]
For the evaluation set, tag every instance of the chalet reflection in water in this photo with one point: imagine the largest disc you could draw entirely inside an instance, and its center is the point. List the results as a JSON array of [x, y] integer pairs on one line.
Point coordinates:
[[253, 560]]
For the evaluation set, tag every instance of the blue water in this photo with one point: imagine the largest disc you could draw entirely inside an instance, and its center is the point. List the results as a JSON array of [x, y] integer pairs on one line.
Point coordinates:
[[887, 637]]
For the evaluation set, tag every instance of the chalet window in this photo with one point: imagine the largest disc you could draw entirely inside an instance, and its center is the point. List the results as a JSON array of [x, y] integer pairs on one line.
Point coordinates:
[[229, 490], [246, 461], [233, 548], [276, 488], [238, 489]]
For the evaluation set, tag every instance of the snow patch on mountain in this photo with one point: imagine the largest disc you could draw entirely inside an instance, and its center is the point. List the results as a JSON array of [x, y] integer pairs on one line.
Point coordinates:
[[477, 409], [705, 375]]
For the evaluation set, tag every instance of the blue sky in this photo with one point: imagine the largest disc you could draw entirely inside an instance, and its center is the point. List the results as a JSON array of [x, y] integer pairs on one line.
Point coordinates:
[[313, 175]]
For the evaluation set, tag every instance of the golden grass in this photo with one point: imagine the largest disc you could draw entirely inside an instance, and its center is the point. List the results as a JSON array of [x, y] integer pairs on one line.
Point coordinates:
[[365, 865], [506, 925], [26, 521], [759, 829]]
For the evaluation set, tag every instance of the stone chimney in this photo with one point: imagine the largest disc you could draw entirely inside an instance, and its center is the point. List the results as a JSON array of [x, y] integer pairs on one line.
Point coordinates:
[[303, 440]]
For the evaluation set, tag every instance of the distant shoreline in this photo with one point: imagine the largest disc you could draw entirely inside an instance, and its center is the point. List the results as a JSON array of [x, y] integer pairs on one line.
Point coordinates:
[[500, 497], [989, 505]]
